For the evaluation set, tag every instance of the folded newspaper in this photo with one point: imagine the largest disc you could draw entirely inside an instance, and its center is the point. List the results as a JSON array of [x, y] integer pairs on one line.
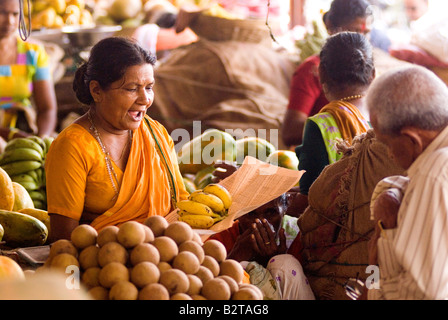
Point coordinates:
[[251, 186]]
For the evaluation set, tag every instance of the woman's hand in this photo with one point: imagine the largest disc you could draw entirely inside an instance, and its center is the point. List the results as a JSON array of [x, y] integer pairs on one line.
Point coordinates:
[[243, 248], [264, 241], [258, 243]]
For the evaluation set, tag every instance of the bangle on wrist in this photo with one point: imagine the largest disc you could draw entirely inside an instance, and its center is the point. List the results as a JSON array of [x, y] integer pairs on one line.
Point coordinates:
[[12, 132]]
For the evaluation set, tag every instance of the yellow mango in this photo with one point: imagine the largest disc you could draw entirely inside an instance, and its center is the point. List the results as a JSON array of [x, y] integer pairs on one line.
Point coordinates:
[[72, 10], [81, 4], [39, 5], [58, 5], [6, 191], [22, 198], [47, 17]]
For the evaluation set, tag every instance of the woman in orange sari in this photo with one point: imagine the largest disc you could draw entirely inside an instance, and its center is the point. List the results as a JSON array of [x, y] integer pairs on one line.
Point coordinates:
[[114, 163], [346, 71]]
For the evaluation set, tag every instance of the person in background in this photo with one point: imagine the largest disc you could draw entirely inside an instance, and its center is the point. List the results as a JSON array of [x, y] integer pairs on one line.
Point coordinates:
[[258, 241], [335, 229], [114, 163], [158, 34], [409, 113], [346, 70], [253, 236], [415, 9], [306, 97], [24, 77]]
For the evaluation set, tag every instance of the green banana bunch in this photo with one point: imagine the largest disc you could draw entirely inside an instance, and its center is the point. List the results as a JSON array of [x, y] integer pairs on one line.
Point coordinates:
[[20, 154], [25, 143], [24, 161], [21, 166], [39, 198]]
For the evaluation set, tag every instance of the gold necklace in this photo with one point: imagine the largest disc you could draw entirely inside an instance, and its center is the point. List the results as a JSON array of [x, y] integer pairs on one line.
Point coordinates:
[[110, 169], [354, 97]]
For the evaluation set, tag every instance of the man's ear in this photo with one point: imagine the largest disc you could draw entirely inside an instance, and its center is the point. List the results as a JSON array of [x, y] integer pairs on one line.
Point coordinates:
[[416, 139]]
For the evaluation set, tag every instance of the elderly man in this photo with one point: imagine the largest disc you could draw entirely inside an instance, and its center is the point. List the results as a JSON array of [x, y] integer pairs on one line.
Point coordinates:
[[409, 113]]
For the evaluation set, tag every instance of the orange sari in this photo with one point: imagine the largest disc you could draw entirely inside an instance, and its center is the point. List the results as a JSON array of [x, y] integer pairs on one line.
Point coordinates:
[[146, 187], [150, 184]]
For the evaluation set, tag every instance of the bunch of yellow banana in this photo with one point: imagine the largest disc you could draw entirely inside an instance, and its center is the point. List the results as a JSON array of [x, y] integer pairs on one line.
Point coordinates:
[[24, 159], [205, 207]]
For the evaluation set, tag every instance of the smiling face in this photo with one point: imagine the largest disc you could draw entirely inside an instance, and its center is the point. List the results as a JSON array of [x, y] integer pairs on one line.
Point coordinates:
[[9, 17], [123, 105]]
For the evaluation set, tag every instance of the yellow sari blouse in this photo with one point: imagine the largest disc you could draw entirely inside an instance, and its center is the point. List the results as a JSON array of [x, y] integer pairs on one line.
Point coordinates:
[[79, 187]]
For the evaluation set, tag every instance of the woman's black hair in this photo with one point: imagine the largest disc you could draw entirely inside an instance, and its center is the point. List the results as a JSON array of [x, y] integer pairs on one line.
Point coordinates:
[[108, 61], [346, 59], [342, 12]]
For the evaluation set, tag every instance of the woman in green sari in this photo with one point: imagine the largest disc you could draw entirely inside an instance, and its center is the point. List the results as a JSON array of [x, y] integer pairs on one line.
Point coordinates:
[[346, 71]]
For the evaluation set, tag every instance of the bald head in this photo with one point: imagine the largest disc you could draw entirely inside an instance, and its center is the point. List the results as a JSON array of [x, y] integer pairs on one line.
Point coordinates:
[[408, 97]]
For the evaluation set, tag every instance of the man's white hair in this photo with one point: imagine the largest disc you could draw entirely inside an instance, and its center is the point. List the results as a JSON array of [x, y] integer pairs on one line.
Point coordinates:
[[408, 97]]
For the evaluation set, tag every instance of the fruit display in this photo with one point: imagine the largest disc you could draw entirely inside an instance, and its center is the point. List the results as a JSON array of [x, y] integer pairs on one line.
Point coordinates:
[[284, 158], [23, 160], [205, 207], [197, 157], [154, 260], [205, 149], [22, 230], [21, 224], [255, 147], [58, 13]]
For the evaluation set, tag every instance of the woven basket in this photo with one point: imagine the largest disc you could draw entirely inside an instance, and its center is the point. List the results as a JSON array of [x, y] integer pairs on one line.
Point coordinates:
[[221, 29]]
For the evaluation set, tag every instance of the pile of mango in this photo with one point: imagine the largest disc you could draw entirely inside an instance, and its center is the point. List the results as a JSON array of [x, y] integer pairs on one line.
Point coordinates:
[[58, 13], [197, 157]]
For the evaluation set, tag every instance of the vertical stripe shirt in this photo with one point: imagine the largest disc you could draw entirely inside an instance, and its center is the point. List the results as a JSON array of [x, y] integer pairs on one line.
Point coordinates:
[[413, 257]]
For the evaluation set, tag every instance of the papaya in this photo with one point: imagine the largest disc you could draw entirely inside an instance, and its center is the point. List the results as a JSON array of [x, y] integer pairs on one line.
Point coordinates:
[[22, 230], [6, 191], [39, 214], [255, 147], [22, 198], [284, 158], [205, 149]]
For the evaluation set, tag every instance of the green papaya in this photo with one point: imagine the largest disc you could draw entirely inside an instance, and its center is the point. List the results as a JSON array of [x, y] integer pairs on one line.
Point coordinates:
[[22, 230], [255, 147], [204, 150]]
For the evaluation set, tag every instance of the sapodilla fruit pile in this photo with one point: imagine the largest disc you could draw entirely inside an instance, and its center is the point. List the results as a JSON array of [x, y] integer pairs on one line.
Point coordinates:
[[153, 260]]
